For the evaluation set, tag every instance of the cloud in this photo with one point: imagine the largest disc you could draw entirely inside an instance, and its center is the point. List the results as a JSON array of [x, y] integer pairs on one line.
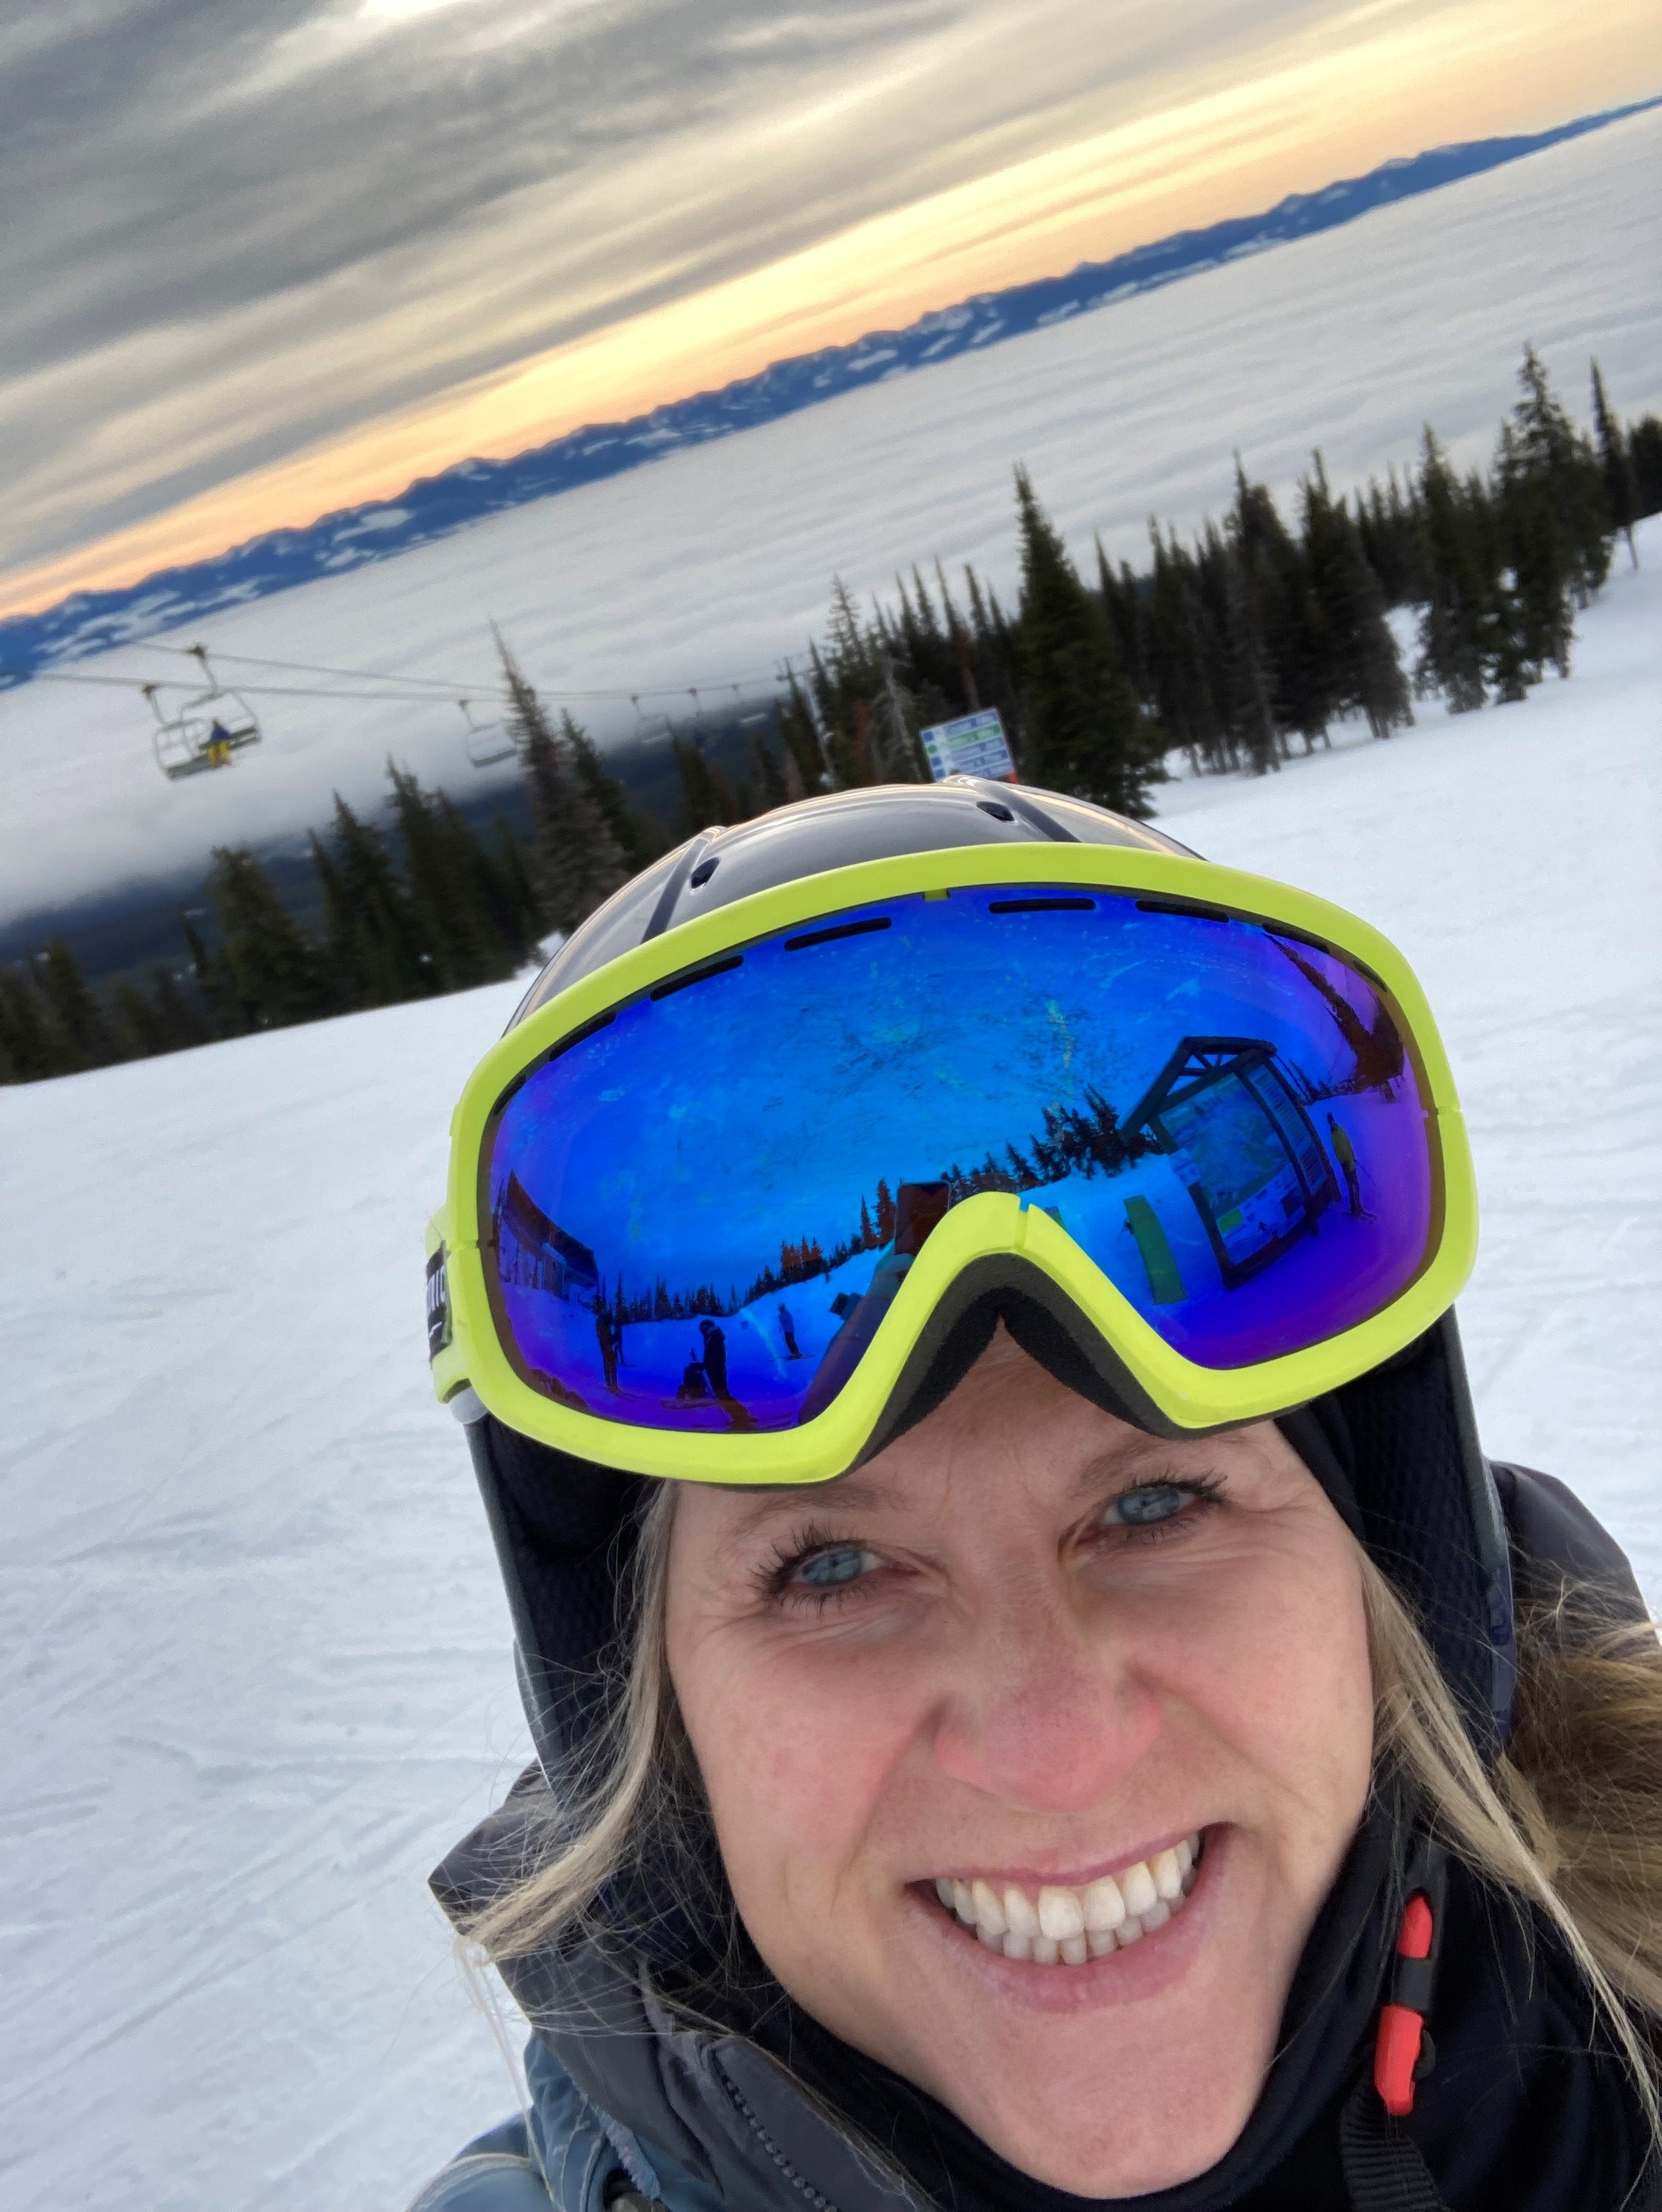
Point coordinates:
[[239, 230]]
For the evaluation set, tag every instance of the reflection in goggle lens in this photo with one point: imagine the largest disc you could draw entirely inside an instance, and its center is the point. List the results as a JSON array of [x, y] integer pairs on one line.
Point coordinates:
[[703, 1205]]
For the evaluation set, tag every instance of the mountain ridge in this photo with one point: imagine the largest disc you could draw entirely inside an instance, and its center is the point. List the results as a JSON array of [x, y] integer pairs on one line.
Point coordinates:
[[436, 506]]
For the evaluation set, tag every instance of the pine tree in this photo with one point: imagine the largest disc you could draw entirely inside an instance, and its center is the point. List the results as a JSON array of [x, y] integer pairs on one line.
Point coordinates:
[[1457, 621], [1534, 602], [32, 1045], [1552, 512], [1645, 453], [181, 1016], [1251, 721], [212, 981], [709, 802], [513, 873], [79, 1014], [1366, 674], [1086, 731], [576, 861], [157, 1016], [636, 838], [769, 775], [275, 973], [372, 944], [461, 944], [1615, 466], [1178, 655], [508, 935]]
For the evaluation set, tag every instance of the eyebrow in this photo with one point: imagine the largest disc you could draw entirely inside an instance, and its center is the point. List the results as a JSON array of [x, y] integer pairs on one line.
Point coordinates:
[[857, 1492]]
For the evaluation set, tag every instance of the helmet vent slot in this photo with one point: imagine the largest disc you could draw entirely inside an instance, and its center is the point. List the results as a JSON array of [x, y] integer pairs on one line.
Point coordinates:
[[842, 929], [1042, 906], [689, 976]]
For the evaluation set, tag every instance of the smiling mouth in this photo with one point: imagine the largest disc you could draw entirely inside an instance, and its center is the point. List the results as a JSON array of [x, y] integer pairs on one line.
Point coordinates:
[[1056, 1926]]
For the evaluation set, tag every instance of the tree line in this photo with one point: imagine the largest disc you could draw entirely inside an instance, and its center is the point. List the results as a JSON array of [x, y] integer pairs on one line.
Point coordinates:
[[423, 906], [1233, 649]]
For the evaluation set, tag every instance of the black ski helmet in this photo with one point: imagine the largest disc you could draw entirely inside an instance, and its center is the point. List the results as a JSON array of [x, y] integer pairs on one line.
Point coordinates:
[[1396, 1450]]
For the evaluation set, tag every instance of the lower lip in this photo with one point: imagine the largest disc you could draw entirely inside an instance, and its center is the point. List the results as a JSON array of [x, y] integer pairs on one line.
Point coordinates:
[[1150, 1964]]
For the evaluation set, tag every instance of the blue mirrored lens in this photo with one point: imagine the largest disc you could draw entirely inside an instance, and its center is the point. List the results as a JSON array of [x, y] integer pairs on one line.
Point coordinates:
[[701, 1208]]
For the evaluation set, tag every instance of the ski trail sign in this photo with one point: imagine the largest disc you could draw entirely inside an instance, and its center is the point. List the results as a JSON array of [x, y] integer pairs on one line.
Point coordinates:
[[974, 744]]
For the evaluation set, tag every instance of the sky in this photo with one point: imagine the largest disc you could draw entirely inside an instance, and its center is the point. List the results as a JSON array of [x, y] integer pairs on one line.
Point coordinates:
[[264, 259]]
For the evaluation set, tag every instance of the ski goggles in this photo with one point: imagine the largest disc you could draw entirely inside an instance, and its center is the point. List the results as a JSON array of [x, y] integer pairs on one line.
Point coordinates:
[[711, 1208]]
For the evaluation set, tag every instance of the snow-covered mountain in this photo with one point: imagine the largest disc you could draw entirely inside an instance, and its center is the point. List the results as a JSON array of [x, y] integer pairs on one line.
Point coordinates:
[[434, 506]]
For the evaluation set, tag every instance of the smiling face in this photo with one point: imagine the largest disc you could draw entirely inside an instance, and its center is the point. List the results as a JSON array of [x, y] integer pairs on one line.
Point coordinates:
[[965, 1717]]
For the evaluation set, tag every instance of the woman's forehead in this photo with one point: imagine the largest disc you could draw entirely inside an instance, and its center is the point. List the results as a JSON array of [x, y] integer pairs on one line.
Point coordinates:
[[1061, 1467]]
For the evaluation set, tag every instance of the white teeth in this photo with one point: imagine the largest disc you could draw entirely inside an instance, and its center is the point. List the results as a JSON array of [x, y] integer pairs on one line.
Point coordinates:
[[1019, 1913], [989, 1908], [1136, 1886], [1105, 1908], [1061, 1914], [1067, 1927]]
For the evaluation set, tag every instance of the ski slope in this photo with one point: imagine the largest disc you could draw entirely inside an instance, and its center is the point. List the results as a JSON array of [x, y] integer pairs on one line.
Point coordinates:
[[260, 1673], [712, 563]]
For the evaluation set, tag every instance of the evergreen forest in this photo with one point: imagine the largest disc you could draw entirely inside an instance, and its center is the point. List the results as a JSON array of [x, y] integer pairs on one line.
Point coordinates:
[[1231, 652]]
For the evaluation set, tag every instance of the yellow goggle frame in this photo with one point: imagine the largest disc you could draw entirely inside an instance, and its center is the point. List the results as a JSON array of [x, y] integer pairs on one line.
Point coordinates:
[[467, 1351]]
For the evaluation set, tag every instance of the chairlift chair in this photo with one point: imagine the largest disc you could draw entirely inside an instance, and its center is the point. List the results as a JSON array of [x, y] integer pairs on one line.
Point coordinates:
[[487, 742], [187, 742], [652, 728], [231, 721]]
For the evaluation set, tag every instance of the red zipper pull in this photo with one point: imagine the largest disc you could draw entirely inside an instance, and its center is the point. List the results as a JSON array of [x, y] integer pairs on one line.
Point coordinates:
[[1401, 2021]]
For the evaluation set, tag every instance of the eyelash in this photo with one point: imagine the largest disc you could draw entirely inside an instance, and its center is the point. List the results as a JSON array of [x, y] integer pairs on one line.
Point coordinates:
[[1202, 1491], [774, 1576], [775, 1582]]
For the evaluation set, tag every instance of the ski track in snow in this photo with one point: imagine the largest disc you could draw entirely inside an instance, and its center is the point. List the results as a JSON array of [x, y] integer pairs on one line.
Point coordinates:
[[259, 1676], [714, 563]]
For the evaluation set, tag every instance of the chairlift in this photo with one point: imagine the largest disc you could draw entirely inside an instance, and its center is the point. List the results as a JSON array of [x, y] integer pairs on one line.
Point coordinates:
[[487, 742], [651, 729], [203, 731]]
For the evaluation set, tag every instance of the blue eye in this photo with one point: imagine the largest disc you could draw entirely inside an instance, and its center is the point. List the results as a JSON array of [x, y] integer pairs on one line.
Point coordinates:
[[843, 1562], [1150, 1501]]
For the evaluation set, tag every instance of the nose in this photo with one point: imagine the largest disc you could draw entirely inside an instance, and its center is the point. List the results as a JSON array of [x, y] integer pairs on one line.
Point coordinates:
[[1045, 1711]]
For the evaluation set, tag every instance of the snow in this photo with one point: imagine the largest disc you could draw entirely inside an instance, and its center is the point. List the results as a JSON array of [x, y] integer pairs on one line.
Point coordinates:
[[715, 560], [259, 1676]]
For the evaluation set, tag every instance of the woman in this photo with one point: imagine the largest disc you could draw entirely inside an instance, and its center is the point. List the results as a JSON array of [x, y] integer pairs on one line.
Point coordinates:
[[1087, 1723]]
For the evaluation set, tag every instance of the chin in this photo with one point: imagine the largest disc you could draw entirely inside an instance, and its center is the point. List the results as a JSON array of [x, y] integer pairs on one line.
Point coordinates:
[[1094, 2145], [1131, 2072]]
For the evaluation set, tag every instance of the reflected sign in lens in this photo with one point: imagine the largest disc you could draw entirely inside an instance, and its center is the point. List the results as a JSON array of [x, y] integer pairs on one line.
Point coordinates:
[[701, 1207]]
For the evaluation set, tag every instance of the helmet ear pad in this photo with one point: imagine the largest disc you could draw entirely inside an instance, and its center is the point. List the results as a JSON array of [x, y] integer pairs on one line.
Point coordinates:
[[1404, 1438], [565, 1532]]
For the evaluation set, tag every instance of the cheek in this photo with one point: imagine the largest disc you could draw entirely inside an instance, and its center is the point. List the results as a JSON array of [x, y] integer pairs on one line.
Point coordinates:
[[1280, 1670], [796, 1749]]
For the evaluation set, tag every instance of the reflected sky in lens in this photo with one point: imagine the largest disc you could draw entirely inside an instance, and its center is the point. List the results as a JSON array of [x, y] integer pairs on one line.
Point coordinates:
[[1223, 1118]]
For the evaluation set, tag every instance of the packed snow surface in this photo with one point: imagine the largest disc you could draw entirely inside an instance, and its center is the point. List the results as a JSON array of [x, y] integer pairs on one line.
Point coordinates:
[[713, 563], [258, 1673]]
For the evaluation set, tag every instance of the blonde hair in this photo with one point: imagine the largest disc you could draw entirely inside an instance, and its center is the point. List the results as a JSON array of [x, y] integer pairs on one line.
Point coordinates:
[[1567, 1822]]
